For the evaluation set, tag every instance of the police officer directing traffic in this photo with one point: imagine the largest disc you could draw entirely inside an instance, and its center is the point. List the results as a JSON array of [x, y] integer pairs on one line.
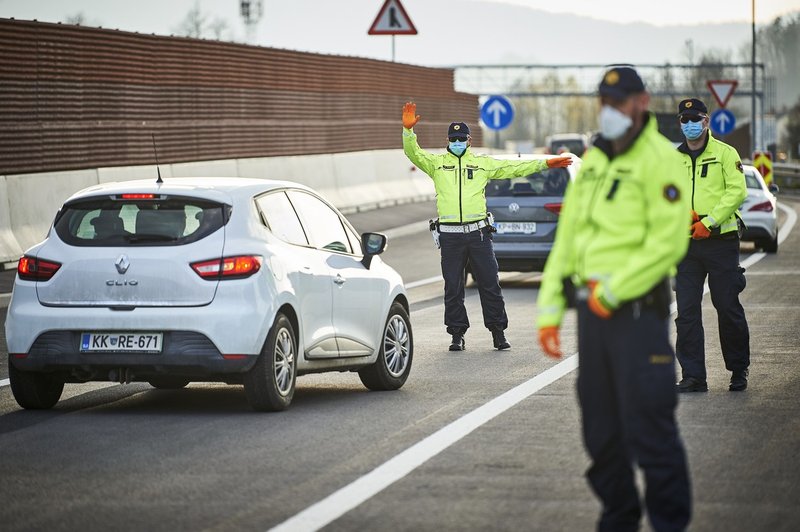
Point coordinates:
[[620, 234], [718, 188], [459, 178]]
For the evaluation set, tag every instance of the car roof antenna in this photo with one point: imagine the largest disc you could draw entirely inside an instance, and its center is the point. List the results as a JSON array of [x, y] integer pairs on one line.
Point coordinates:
[[155, 152]]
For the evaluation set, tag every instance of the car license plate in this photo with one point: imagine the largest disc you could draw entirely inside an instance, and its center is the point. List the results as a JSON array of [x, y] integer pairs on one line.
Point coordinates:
[[125, 342], [526, 228]]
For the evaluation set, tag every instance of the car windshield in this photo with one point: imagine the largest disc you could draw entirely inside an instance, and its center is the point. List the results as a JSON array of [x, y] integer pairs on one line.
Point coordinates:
[[551, 182], [568, 145], [121, 221]]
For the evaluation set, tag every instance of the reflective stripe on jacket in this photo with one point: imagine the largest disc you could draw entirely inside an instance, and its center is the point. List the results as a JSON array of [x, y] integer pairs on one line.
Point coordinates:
[[718, 184], [623, 222], [460, 182]]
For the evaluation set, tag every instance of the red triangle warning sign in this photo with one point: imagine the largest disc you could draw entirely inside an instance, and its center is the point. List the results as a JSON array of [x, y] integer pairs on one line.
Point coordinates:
[[392, 19], [722, 90]]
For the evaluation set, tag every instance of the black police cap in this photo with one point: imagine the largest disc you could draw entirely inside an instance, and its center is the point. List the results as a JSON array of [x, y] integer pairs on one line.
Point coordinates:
[[457, 129], [692, 106], [620, 82]]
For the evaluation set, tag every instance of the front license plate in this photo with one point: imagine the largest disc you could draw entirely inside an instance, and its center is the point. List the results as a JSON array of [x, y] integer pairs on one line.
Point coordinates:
[[126, 342], [525, 228]]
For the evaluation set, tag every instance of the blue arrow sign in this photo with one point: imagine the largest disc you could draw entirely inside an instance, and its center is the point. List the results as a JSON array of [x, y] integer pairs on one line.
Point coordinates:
[[722, 122], [497, 112]]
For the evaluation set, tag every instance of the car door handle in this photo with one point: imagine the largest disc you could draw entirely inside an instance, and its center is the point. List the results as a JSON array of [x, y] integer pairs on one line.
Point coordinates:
[[339, 279]]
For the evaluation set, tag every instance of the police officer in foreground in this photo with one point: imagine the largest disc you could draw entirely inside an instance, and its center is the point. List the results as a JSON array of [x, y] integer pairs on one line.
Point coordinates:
[[621, 232], [718, 188], [460, 177]]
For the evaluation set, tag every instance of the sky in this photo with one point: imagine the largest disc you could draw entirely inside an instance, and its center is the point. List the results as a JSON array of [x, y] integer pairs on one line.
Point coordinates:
[[490, 31], [667, 12]]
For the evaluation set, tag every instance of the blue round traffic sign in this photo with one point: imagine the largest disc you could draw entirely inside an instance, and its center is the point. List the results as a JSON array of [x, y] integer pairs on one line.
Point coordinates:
[[722, 122], [497, 112]]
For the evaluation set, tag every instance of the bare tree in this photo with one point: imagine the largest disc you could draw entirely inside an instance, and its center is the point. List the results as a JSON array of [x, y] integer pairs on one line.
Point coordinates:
[[194, 23], [78, 19]]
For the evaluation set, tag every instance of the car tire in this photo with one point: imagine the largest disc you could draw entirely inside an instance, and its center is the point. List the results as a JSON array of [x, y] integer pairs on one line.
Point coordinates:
[[270, 383], [168, 383], [391, 369], [34, 391], [770, 246]]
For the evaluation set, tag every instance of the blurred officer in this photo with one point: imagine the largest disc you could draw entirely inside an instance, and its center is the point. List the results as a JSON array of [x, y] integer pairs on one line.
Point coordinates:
[[620, 234], [460, 177], [718, 188]]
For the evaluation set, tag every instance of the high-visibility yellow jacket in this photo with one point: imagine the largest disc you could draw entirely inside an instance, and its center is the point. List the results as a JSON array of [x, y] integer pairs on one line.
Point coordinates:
[[623, 223], [718, 184], [460, 182]]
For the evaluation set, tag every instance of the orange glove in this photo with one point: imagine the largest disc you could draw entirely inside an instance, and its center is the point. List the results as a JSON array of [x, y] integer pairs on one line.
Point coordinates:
[[410, 116], [596, 304], [695, 216], [548, 339], [559, 162], [699, 231]]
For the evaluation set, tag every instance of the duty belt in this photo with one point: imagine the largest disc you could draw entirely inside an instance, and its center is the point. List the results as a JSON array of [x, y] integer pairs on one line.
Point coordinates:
[[463, 228]]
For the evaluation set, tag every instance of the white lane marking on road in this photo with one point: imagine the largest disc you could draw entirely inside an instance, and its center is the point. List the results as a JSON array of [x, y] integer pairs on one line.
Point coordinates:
[[405, 230], [4, 382], [345, 499], [363, 488], [423, 282]]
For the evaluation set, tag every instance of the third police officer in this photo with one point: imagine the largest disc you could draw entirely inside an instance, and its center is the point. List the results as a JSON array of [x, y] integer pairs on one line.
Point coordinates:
[[718, 188]]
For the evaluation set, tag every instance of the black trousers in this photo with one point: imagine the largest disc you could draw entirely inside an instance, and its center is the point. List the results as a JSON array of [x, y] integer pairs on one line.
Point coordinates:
[[626, 388], [476, 246], [719, 260]]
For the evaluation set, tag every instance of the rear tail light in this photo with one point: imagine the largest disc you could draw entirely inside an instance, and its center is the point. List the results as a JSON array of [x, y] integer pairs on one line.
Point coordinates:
[[765, 207], [33, 269], [555, 208], [228, 267]]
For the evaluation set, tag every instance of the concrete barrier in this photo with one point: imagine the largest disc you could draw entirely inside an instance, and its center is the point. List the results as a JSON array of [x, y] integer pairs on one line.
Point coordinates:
[[9, 247], [351, 181]]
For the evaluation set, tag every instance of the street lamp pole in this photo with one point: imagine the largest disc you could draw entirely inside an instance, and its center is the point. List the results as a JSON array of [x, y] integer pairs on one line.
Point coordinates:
[[753, 81]]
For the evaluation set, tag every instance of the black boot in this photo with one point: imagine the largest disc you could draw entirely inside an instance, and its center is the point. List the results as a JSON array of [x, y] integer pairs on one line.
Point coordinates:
[[499, 339], [738, 381], [458, 343]]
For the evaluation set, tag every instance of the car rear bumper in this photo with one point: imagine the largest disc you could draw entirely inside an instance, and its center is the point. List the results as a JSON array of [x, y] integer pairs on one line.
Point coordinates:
[[518, 257], [184, 353], [760, 228], [229, 324]]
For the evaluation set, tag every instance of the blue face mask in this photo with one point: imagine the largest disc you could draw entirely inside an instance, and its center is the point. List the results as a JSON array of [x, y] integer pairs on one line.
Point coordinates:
[[692, 130], [458, 148]]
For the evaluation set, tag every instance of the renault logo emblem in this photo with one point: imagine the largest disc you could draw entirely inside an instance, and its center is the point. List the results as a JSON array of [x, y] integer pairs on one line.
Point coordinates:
[[513, 207], [122, 263]]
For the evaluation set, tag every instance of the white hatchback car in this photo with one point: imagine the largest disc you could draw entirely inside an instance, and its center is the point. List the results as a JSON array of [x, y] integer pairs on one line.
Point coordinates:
[[243, 281], [759, 212]]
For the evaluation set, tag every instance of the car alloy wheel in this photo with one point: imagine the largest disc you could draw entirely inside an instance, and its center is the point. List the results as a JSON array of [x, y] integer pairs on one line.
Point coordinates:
[[269, 384], [390, 370], [396, 346]]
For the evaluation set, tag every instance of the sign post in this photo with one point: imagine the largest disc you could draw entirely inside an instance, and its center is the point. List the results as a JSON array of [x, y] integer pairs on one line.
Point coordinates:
[[392, 20]]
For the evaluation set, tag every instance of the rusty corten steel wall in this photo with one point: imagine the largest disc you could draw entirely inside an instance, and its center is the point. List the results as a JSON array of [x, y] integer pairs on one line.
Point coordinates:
[[74, 97]]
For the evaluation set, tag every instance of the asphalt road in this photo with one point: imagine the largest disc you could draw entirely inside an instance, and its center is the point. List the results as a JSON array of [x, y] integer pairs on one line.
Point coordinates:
[[128, 457]]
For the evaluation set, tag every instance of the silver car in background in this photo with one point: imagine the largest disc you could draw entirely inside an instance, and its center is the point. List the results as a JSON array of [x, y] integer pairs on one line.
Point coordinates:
[[759, 212], [526, 211]]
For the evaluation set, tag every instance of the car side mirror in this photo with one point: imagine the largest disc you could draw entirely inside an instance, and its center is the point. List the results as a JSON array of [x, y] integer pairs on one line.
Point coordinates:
[[373, 244], [773, 188]]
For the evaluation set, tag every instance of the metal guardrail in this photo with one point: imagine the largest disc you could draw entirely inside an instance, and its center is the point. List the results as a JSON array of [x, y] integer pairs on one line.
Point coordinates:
[[787, 175]]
